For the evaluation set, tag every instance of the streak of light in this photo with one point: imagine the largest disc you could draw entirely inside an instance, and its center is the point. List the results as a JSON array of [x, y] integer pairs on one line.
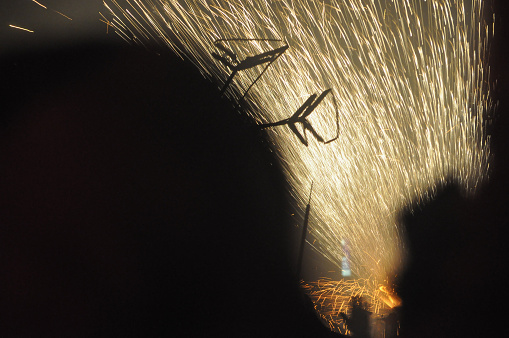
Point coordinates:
[[21, 28], [106, 21], [62, 14], [40, 4]]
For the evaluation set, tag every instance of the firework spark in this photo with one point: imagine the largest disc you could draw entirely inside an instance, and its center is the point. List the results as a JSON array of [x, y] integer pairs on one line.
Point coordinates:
[[40, 4], [21, 28], [62, 14], [45, 7], [333, 297], [409, 81]]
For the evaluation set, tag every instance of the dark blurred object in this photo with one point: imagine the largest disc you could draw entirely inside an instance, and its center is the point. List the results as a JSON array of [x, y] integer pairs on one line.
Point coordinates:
[[359, 321], [454, 285], [136, 202]]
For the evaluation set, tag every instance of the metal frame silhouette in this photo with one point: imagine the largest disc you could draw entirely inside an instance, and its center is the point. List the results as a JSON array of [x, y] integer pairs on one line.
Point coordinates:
[[230, 60], [300, 116]]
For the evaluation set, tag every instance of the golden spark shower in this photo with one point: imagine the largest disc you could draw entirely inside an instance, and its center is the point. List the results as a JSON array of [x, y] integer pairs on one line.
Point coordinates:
[[393, 98]]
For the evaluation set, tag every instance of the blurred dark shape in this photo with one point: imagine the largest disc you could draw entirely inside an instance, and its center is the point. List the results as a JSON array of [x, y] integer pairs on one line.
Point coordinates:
[[359, 321], [136, 203], [391, 324], [453, 264], [300, 116]]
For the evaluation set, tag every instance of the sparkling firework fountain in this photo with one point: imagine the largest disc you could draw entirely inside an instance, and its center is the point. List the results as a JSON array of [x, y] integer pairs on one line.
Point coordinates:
[[409, 88]]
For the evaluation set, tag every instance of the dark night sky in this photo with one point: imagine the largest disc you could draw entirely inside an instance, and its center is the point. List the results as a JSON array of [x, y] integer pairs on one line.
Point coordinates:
[[134, 201]]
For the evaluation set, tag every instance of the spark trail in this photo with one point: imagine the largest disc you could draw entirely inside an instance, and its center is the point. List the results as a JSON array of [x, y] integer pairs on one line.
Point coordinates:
[[409, 80]]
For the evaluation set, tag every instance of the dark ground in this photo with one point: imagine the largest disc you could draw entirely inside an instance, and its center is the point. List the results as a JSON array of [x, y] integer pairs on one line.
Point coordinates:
[[135, 202]]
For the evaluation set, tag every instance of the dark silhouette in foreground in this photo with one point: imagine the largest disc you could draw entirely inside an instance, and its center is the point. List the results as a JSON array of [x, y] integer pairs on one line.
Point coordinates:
[[391, 324], [135, 202], [453, 267], [359, 321]]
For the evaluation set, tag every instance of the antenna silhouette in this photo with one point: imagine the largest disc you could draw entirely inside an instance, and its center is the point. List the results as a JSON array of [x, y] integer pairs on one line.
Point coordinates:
[[230, 60], [300, 116], [304, 233]]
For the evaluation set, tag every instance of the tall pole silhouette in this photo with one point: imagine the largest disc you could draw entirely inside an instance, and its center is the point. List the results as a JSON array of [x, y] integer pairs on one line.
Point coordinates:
[[304, 232]]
